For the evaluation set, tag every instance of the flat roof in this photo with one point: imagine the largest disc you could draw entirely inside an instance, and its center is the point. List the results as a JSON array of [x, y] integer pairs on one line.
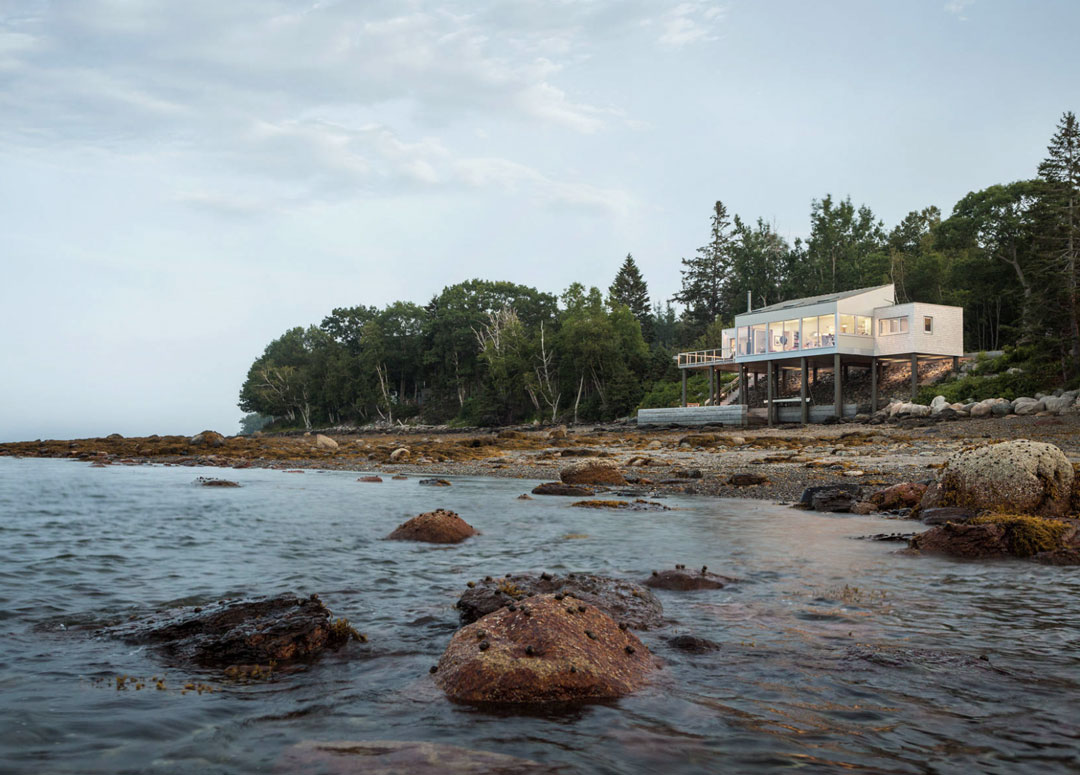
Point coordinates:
[[809, 300]]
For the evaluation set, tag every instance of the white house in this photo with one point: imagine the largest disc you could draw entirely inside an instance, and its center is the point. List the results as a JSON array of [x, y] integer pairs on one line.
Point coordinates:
[[864, 328]]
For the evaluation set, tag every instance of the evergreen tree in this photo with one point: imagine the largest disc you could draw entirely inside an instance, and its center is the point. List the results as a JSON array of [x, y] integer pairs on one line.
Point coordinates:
[[630, 290], [1060, 202], [704, 277]]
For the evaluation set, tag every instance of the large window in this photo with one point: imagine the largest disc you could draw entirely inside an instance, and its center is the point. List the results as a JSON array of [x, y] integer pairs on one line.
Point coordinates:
[[928, 325], [827, 330], [758, 337], [791, 335], [864, 326], [887, 326], [776, 337], [810, 333], [847, 324], [744, 332]]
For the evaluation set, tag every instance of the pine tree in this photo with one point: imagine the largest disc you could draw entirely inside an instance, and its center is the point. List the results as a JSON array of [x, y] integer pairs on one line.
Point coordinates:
[[630, 289], [705, 275], [1060, 175]]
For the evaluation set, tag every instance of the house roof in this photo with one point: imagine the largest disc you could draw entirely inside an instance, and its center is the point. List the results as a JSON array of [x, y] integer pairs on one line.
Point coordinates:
[[806, 302]]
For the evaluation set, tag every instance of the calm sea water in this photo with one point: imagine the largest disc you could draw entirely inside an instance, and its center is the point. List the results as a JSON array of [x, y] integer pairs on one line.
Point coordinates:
[[837, 654]]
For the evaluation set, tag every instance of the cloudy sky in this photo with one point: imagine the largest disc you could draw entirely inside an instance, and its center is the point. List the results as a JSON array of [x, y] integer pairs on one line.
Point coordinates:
[[182, 182]]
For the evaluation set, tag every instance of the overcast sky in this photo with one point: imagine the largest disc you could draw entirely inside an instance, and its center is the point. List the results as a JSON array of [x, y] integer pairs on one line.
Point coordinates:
[[181, 182]]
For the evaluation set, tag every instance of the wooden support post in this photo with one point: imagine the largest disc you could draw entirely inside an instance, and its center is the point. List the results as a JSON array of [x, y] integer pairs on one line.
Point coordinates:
[[914, 376], [683, 387], [873, 385], [744, 387], [710, 398], [770, 367], [803, 391], [838, 385], [955, 365]]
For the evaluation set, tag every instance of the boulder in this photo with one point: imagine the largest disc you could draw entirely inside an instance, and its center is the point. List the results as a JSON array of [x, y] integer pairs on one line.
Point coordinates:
[[983, 408], [626, 601], [699, 440], [1001, 536], [638, 504], [207, 439], [1001, 407], [434, 483], [693, 644], [592, 471], [558, 488], [1024, 406], [325, 442], [545, 650], [835, 500], [863, 508], [558, 432], [394, 757], [399, 455], [939, 403], [209, 482], [1057, 404], [683, 580], [899, 496], [1023, 477], [746, 480], [277, 630], [806, 501], [371, 479], [434, 527]]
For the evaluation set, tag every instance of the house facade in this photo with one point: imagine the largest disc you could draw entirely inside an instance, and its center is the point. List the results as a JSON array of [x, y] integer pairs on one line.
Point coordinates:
[[862, 328]]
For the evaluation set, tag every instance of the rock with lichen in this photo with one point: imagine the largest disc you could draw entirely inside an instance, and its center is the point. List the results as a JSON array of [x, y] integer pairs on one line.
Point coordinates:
[[558, 488], [629, 603], [1019, 477], [1003, 535], [592, 471], [545, 650], [434, 527], [899, 496], [207, 439], [266, 631]]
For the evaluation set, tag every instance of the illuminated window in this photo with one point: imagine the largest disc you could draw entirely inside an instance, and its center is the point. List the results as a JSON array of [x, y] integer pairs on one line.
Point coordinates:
[[758, 337], [864, 326], [887, 326], [827, 330], [847, 324], [810, 333], [928, 325]]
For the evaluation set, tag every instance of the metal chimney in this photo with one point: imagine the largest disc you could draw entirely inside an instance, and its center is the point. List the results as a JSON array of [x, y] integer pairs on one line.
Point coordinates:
[[749, 301]]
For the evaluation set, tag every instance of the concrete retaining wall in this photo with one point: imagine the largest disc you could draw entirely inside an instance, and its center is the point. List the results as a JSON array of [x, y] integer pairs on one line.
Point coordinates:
[[734, 414]]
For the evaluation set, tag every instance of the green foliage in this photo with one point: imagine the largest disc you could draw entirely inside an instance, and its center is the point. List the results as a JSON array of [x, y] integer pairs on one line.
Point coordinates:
[[990, 378], [668, 392], [253, 422], [630, 290]]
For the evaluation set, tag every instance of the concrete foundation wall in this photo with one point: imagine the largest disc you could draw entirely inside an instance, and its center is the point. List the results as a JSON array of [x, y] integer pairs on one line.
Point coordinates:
[[734, 414]]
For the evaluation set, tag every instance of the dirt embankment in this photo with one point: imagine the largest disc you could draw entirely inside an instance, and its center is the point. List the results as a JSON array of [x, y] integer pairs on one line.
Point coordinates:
[[772, 463]]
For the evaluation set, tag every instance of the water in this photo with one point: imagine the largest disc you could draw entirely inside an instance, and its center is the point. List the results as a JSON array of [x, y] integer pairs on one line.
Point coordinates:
[[837, 654]]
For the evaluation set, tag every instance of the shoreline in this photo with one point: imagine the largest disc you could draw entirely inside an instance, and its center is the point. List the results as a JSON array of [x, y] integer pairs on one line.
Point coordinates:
[[685, 460]]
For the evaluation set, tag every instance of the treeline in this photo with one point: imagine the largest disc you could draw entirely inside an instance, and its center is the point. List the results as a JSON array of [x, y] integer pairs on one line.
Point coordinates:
[[486, 353]]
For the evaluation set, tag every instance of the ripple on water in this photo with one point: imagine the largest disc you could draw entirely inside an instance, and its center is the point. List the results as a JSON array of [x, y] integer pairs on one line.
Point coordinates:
[[833, 654]]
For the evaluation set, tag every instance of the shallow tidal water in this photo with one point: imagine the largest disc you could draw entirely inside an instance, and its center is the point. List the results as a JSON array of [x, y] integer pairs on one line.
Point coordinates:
[[836, 654]]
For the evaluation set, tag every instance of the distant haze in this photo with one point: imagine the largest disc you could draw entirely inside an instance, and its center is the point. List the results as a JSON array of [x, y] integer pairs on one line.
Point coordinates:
[[182, 182]]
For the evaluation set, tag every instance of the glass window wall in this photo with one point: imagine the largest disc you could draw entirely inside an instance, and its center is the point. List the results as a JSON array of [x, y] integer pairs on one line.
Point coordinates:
[[758, 338], [827, 330], [847, 324], [810, 338], [791, 335], [864, 326]]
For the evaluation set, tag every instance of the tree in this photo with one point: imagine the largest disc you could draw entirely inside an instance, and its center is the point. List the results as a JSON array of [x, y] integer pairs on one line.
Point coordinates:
[[845, 250], [705, 275], [1060, 202], [630, 290]]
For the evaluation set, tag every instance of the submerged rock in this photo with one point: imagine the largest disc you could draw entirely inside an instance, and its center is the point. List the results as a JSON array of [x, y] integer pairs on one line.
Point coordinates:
[[692, 644], [1025, 477], [434, 527], [684, 580], [394, 757], [545, 650], [1009, 535], [279, 630], [210, 482], [592, 471], [628, 602], [636, 505], [435, 482], [370, 479], [558, 488]]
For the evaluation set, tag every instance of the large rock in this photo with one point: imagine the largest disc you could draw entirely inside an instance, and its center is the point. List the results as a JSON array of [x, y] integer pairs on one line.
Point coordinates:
[[901, 410], [1001, 407], [626, 601], [899, 496], [545, 650], [1001, 536], [1057, 404], [826, 490], [325, 442], [943, 514], [939, 403], [399, 455], [277, 630], [1024, 407], [395, 757], [592, 471], [434, 527], [683, 580], [207, 439], [833, 500], [1024, 477], [983, 408]]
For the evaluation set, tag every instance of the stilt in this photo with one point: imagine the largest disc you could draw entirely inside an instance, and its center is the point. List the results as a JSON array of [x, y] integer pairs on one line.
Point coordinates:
[[683, 387], [712, 373], [744, 386], [803, 391], [873, 385], [956, 365], [770, 367], [914, 376], [838, 385]]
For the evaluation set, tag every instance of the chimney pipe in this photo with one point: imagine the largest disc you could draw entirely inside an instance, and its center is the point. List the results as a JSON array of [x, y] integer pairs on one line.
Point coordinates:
[[749, 301]]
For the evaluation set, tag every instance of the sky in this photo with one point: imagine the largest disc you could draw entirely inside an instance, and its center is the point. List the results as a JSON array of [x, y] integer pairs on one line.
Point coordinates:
[[180, 183]]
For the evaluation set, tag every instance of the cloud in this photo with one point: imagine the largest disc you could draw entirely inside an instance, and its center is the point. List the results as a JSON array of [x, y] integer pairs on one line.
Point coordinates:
[[690, 22], [957, 8]]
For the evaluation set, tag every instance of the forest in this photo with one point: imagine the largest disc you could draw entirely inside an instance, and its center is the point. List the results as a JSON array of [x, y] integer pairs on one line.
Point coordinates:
[[493, 352]]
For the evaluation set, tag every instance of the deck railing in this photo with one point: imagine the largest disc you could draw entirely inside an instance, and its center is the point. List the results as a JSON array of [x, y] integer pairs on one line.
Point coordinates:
[[703, 358]]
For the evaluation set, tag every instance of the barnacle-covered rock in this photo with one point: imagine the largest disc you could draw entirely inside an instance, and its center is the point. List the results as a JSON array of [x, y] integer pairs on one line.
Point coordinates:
[[434, 527], [592, 471]]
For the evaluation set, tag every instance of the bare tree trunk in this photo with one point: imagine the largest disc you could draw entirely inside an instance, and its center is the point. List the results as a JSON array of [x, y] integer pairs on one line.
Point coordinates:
[[577, 400]]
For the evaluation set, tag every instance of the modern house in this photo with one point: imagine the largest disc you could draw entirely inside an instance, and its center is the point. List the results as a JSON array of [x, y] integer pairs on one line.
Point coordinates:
[[863, 328]]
